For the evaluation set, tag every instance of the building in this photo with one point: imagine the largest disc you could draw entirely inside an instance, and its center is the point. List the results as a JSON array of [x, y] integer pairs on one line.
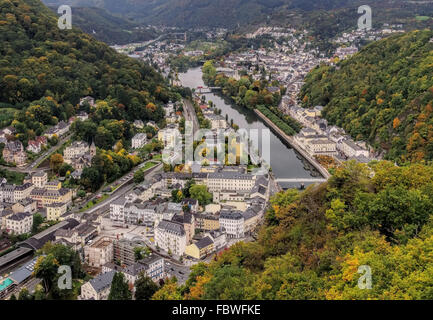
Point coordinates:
[[207, 222], [76, 150], [230, 181], [97, 288], [36, 145], [52, 193], [124, 250], [201, 248], [39, 179], [19, 223], [139, 140], [117, 209], [321, 147], [171, 237], [13, 152], [99, 253], [169, 137], [233, 223], [151, 266], [352, 149], [78, 236], [55, 210], [25, 205], [217, 121]]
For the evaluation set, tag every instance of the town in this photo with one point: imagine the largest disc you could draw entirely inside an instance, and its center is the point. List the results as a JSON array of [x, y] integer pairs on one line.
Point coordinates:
[[165, 214]]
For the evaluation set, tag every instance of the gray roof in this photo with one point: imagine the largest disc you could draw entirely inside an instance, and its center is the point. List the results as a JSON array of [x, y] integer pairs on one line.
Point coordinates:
[[19, 216], [203, 243], [172, 227], [24, 272], [230, 175], [102, 281], [231, 214]]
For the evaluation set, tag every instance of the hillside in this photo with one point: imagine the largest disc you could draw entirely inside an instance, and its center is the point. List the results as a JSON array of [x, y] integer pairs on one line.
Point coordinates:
[[383, 94], [106, 27], [313, 242], [324, 17], [38, 59]]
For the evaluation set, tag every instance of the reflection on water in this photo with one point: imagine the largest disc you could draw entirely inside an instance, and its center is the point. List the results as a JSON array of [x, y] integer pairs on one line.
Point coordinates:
[[285, 162]]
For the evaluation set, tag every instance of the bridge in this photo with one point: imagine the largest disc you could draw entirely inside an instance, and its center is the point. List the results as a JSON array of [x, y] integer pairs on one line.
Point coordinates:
[[302, 180], [202, 90]]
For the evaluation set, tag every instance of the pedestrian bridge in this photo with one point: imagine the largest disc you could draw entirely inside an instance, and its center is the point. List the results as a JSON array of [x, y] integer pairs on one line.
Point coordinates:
[[302, 180]]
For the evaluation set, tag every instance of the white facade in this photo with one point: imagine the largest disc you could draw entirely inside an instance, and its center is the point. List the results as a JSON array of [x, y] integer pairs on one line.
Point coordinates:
[[139, 140], [171, 237]]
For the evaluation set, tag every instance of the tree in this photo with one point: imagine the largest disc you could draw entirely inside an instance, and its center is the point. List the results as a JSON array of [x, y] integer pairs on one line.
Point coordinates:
[[119, 288], [37, 221], [139, 176], [46, 269], [56, 161], [169, 291], [25, 295], [200, 193], [145, 288]]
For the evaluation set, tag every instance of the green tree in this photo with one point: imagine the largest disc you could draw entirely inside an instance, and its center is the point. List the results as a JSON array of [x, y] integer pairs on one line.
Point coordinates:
[[145, 288], [119, 288], [200, 193]]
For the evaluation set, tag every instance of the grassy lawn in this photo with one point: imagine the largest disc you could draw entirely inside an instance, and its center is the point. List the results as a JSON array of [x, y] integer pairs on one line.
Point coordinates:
[[149, 165], [94, 202], [158, 157]]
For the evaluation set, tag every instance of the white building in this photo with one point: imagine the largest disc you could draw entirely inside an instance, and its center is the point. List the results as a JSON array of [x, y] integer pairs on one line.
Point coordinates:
[[169, 137], [233, 223], [139, 140], [351, 149], [171, 237], [19, 223], [230, 181], [117, 210]]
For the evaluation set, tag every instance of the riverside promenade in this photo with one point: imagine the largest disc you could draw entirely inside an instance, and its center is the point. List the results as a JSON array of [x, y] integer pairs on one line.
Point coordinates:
[[295, 145]]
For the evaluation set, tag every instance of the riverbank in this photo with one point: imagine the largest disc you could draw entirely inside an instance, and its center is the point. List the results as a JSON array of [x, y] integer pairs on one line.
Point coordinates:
[[294, 145], [285, 162]]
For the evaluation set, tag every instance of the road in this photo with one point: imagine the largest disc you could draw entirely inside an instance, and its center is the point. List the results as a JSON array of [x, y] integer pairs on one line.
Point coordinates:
[[190, 115], [29, 168], [125, 187]]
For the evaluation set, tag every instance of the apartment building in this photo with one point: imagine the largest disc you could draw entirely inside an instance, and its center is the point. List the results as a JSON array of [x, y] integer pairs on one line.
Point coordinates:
[[124, 250], [97, 288], [171, 237], [151, 266], [233, 223], [139, 140], [230, 181], [99, 253], [39, 179], [169, 137], [19, 223], [201, 248], [55, 210]]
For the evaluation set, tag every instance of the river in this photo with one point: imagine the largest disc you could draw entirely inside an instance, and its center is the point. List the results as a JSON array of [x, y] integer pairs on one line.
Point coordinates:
[[285, 162]]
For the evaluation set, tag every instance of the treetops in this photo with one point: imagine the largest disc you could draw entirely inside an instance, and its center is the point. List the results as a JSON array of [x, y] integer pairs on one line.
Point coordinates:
[[314, 241]]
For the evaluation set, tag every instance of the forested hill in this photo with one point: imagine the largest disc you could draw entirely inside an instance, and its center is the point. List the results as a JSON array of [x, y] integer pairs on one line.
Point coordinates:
[[38, 59], [108, 28], [324, 17], [313, 243], [383, 94]]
